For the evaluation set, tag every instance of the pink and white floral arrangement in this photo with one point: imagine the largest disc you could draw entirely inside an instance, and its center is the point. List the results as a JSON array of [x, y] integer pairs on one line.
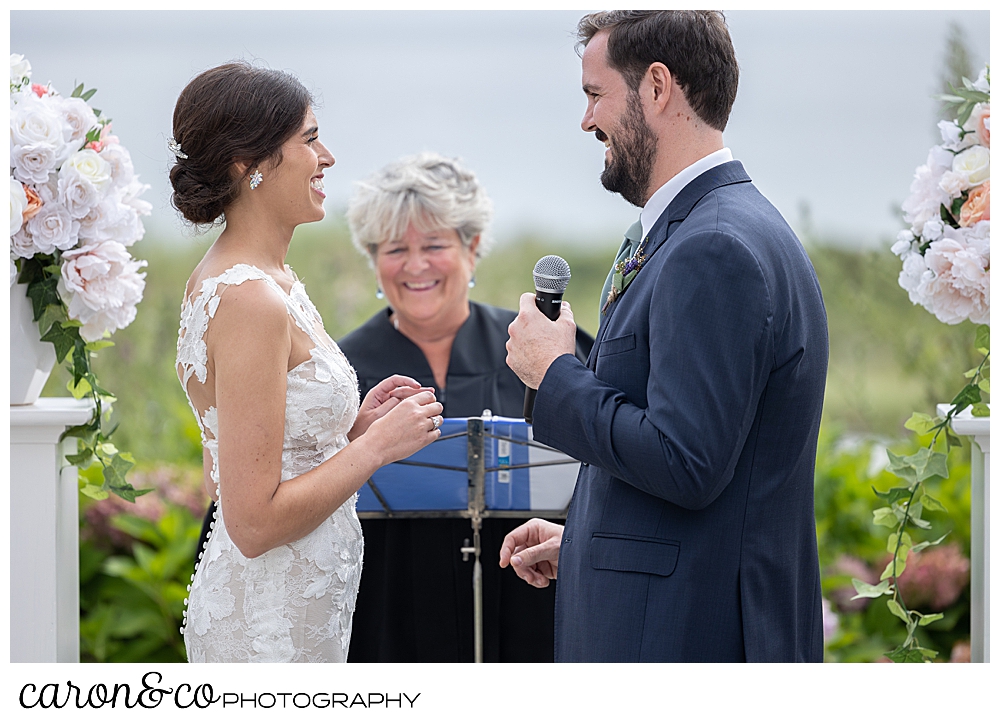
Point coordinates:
[[946, 250], [74, 211], [74, 196]]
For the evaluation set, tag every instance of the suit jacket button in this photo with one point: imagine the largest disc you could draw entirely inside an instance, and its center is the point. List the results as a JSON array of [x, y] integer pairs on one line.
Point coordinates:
[[585, 464], [566, 540]]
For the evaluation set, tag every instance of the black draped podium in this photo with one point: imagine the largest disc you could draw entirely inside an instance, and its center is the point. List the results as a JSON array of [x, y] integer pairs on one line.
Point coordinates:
[[415, 601]]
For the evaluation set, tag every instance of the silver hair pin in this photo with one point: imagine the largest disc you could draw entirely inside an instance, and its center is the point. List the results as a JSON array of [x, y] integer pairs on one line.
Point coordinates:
[[175, 148]]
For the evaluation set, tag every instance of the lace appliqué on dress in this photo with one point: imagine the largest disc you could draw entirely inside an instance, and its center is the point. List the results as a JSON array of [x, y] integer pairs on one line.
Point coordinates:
[[294, 603]]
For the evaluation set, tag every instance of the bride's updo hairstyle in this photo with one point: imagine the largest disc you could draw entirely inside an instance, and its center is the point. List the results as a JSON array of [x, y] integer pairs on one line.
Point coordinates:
[[229, 114]]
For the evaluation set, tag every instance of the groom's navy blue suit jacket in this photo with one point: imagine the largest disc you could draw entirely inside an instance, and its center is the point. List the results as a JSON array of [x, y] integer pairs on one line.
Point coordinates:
[[691, 534]]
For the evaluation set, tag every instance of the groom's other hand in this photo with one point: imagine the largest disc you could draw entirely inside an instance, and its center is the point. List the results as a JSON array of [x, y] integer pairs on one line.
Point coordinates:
[[533, 551], [536, 341]]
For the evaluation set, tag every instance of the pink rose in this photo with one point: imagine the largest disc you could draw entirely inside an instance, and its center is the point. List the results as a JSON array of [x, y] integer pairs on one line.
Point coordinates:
[[983, 128], [976, 207], [39, 90], [34, 203]]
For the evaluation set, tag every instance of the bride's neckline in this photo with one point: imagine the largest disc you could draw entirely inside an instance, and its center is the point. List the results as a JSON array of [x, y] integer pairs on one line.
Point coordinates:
[[202, 290]]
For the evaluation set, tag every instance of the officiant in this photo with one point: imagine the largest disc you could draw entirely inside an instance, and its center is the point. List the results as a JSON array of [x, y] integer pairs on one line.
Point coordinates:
[[421, 221]]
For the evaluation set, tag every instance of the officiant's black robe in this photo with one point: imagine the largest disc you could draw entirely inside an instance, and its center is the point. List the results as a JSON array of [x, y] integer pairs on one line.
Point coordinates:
[[415, 600]]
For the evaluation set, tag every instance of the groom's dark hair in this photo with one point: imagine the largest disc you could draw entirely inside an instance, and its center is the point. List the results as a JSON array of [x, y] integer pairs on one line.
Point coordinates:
[[693, 44]]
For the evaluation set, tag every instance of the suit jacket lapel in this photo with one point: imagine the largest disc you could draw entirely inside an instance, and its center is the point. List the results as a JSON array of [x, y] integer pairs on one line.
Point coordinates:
[[678, 210]]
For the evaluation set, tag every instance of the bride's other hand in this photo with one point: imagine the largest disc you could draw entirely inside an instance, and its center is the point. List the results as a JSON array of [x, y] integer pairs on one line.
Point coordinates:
[[410, 425], [381, 399]]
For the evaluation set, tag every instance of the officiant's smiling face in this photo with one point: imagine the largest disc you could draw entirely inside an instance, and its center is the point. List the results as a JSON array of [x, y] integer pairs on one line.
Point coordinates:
[[425, 275], [615, 116]]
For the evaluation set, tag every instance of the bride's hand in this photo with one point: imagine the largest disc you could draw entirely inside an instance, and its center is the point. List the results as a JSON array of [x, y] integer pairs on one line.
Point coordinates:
[[410, 425], [382, 398]]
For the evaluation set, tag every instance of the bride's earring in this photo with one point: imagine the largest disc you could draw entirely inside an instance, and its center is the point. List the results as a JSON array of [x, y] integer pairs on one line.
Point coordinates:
[[472, 282], [378, 292], [255, 179]]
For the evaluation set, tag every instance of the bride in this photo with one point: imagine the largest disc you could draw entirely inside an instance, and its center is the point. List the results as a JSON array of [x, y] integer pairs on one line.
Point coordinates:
[[286, 442]]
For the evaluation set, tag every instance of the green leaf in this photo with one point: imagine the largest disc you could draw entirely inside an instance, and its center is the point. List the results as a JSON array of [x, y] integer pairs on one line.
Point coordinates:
[[900, 467], [51, 314], [936, 465], [980, 410], [866, 590], [893, 495], [894, 540], [968, 396], [86, 432], [79, 459], [94, 492], [956, 205], [931, 504], [63, 339], [984, 385], [43, 293], [76, 91], [921, 423], [951, 439], [89, 94], [982, 344], [115, 471], [924, 545], [99, 344], [80, 390], [928, 619], [896, 609], [885, 517]]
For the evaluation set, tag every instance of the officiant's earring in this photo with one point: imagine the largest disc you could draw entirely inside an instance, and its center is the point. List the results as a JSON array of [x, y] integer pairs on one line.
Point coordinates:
[[472, 282], [255, 179], [378, 293]]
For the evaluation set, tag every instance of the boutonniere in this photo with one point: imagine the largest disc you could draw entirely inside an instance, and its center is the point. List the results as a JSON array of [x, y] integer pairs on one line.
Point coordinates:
[[625, 272]]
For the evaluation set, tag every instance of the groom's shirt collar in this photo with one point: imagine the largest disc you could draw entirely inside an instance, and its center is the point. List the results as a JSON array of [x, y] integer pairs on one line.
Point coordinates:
[[666, 193]]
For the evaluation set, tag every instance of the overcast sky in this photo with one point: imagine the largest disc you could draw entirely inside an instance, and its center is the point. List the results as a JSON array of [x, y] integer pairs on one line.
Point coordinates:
[[834, 110]]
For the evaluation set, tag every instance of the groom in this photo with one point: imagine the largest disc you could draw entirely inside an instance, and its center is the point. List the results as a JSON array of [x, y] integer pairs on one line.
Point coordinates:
[[691, 535]]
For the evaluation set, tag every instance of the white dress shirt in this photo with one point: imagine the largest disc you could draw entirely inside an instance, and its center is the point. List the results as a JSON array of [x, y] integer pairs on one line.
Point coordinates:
[[666, 193]]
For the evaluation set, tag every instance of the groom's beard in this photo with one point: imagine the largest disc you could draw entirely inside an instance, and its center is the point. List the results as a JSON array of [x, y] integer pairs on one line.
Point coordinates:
[[633, 151]]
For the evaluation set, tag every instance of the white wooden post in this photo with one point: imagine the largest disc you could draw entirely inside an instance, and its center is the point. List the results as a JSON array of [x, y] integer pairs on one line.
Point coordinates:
[[44, 532], [978, 428]]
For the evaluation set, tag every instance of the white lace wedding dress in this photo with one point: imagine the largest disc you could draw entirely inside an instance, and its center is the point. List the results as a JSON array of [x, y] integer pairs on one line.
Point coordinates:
[[293, 603]]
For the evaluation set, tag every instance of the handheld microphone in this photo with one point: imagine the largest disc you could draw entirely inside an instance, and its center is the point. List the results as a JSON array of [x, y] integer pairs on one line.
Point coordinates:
[[551, 279]]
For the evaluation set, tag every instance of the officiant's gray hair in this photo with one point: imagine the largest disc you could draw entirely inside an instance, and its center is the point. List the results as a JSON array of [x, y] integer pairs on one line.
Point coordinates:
[[429, 190]]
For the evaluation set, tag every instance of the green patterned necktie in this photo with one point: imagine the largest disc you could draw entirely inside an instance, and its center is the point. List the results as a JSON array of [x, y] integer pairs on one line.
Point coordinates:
[[632, 238]]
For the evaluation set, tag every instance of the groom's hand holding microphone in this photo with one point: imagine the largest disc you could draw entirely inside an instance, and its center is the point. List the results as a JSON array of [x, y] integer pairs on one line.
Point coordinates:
[[536, 339]]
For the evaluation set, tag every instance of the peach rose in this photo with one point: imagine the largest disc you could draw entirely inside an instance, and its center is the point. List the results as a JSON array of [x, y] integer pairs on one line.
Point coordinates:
[[983, 128], [34, 203], [976, 207]]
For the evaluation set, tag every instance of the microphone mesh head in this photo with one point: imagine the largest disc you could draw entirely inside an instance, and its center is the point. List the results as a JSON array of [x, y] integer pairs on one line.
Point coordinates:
[[551, 274]]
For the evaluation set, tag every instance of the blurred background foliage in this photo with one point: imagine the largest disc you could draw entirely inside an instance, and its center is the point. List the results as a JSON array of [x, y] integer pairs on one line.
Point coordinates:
[[887, 359]]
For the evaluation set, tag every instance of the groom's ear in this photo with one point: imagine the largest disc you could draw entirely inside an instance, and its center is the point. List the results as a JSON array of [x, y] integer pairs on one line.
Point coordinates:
[[660, 84]]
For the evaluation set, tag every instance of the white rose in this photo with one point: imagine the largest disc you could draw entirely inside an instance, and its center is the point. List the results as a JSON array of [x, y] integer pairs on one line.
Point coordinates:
[[22, 245], [111, 220], [953, 183], [52, 227], [13, 271], [130, 197], [78, 117], [18, 202], [933, 229], [103, 285], [20, 69], [34, 162], [89, 164], [36, 120], [121, 164], [960, 284], [974, 164], [914, 276], [940, 159], [950, 132], [925, 199], [84, 180], [982, 84]]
